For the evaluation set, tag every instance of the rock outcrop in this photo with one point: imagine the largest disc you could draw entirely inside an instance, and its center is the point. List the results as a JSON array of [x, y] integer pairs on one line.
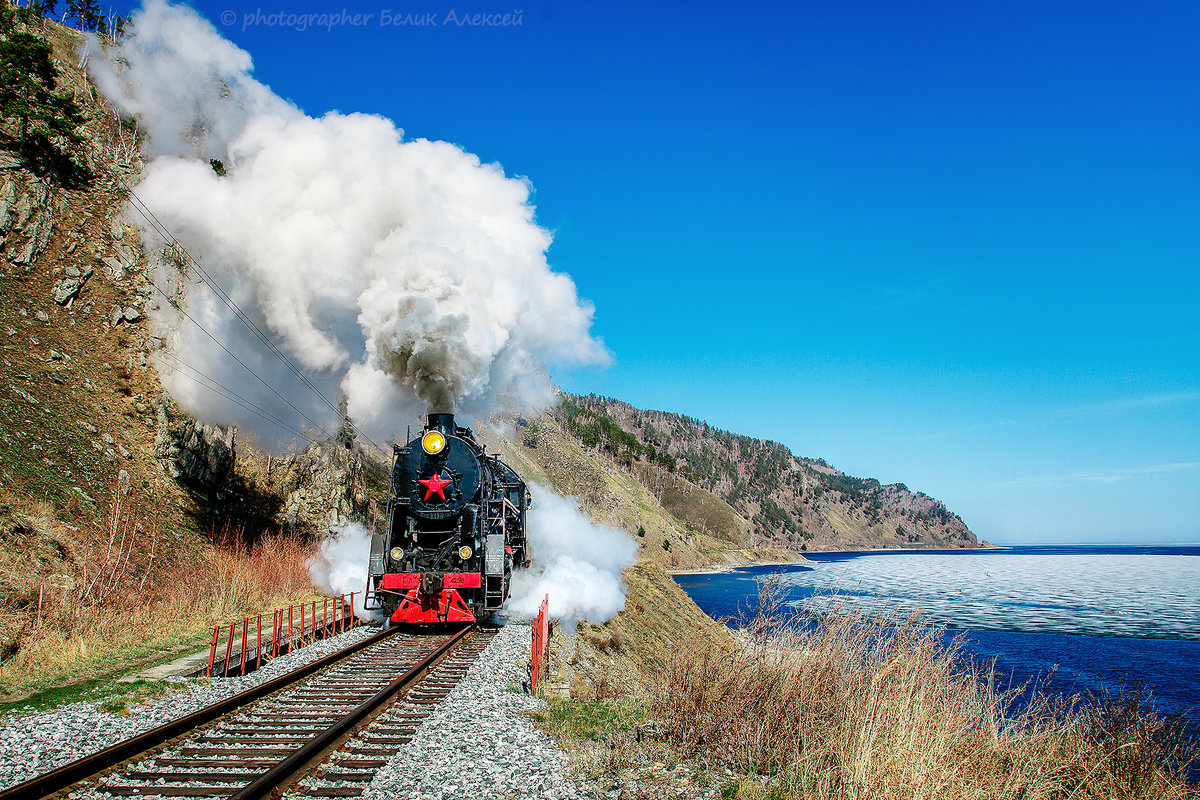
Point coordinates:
[[26, 214], [192, 451], [322, 486]]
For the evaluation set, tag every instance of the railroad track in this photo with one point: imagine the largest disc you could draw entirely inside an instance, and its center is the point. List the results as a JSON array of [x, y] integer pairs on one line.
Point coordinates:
[[321, 731]]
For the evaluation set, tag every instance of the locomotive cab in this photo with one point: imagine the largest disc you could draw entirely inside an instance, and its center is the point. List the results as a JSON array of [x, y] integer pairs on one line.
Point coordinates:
[[450, 532]]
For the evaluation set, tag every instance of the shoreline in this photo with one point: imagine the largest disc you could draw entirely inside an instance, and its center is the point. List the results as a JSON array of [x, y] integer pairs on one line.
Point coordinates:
[[989, 549], [718, 569]]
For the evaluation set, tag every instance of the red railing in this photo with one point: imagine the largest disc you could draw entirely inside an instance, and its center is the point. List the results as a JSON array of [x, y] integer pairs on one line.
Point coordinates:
[[541, 643], [284, 635]]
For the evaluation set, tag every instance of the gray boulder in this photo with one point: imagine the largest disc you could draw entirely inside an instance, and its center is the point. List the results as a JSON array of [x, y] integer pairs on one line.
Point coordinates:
[[69, 287]]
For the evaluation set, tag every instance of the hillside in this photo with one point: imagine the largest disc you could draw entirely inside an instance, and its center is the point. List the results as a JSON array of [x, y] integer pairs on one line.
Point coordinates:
[[84, 401], [787, 501]]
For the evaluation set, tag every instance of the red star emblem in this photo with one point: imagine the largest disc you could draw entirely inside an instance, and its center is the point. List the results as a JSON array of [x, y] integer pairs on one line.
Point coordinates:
[[435, 485]]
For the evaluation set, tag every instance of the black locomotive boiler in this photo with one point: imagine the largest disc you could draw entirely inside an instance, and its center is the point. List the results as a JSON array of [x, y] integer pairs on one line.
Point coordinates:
[[453, 528]]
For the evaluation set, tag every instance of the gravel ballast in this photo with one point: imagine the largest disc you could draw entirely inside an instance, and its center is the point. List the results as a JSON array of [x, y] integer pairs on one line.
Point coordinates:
[[35, 743], [479, 742]]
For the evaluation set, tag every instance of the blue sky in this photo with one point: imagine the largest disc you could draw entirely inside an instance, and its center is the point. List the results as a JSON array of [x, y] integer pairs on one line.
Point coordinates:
[[952, 244]]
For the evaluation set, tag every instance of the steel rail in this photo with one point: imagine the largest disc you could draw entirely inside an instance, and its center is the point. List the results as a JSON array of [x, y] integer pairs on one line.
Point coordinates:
[[295, 765], [76, 771]]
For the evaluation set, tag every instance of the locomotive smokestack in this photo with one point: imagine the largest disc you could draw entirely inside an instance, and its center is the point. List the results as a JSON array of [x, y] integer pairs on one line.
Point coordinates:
[[442, 422]]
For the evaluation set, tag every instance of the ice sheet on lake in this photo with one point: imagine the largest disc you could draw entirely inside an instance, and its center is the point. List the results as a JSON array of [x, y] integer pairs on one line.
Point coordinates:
[[1101, 595]]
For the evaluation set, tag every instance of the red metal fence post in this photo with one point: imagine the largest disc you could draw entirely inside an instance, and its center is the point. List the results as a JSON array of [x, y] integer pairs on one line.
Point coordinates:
[[258, 645], [212, 650], [541, 630], [546, 628], [245, 630], [534, 664], [228, 651], [325, 618], [289, 639]]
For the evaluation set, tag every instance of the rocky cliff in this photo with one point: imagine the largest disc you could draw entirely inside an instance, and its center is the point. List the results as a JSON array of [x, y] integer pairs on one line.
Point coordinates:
[[81, 397]]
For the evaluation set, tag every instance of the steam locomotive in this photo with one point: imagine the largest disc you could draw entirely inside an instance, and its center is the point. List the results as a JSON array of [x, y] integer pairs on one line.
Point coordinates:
[[451, 531]]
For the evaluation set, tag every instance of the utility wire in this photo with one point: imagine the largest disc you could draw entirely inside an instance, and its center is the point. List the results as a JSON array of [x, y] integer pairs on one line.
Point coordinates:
[[232, 355], [139, 205], [212, 384], [150, 217], [220, 292]]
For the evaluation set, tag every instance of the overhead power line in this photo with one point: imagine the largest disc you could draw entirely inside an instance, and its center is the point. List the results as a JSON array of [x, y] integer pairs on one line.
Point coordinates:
[[212, 384], [148, 215]]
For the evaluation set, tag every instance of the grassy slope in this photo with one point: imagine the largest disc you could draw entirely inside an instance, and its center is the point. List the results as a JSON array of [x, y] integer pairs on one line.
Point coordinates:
[[614, 495], [73, 390]]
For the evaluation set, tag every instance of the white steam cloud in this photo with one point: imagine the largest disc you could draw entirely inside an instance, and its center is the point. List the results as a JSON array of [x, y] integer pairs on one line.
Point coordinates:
[[340, 566], [405, 275], [577, 563]]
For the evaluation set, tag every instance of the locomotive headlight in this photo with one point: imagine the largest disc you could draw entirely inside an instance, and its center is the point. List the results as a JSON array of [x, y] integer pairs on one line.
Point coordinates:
[[433, 442], [464, 552], [397, 553]]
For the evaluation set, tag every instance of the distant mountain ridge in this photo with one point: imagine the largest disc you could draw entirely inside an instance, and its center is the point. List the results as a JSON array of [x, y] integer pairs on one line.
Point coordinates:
[[788, 501]]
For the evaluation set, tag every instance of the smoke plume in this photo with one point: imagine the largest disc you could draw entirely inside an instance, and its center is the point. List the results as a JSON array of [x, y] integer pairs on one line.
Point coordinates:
[[577, 563], [403, 275]]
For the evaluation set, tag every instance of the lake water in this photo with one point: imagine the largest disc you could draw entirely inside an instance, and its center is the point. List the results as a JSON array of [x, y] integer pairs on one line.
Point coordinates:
[[1088, 617]]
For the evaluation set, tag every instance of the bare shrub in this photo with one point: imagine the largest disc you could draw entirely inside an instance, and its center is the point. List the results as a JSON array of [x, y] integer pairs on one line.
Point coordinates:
[[1138, 744], [116, 564], [135, 591], [878, 705]]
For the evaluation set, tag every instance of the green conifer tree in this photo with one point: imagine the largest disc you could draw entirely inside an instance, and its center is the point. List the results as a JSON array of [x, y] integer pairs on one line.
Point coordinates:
[[27, 85], [87, 13]]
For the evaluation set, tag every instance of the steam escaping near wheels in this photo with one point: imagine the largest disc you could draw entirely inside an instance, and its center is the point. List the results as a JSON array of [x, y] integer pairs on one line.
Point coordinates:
[[576, 561], [405, 275], [340, 565]]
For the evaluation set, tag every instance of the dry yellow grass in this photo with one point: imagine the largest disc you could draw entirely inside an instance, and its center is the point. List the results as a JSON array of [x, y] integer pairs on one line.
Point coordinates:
[[132, 594], [859, 707]]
